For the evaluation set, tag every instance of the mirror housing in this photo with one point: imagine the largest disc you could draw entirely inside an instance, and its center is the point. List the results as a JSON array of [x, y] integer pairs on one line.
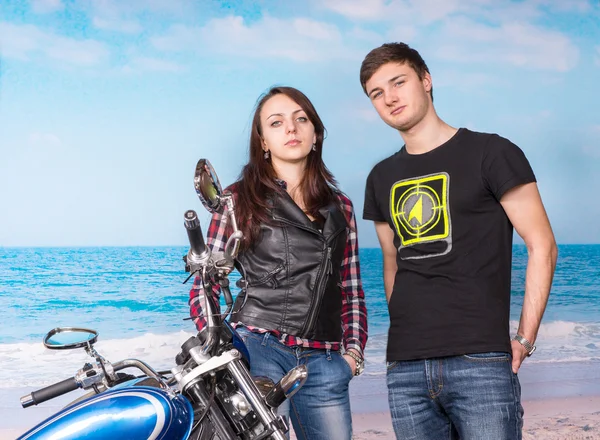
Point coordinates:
[[208, 187], [66, 338]]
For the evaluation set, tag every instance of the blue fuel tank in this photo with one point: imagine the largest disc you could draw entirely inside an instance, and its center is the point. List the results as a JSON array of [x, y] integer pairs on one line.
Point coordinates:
[[134, 412]]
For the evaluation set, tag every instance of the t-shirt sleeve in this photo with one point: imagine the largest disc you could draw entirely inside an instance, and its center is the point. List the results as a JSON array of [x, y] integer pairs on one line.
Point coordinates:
[[504, 166], [371, 209]]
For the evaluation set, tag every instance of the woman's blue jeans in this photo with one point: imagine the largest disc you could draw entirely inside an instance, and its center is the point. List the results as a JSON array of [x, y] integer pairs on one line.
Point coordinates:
[[321, 409]]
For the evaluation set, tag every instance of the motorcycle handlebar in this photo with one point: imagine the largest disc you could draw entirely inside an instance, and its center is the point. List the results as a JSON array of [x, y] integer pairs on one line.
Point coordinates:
[[194, 232], [50, 392]]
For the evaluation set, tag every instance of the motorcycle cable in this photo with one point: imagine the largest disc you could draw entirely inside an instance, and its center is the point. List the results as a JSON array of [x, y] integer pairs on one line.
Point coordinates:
[[188, 278], [209, 403]]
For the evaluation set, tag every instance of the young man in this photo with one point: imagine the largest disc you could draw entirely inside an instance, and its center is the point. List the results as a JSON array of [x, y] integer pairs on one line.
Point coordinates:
[[444, 208]]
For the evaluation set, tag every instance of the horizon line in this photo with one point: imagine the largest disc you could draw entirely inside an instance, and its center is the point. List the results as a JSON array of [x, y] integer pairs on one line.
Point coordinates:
[[186, 245]]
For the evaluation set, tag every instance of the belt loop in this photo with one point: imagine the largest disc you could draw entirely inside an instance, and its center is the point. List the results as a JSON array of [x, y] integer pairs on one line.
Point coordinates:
[[328, 353], [265, 339]]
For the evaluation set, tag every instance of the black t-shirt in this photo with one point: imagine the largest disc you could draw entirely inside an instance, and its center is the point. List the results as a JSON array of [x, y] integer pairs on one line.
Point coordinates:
[[452, 290]]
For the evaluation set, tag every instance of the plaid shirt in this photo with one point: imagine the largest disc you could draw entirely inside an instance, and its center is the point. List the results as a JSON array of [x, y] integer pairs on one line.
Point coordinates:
[[354, 311]]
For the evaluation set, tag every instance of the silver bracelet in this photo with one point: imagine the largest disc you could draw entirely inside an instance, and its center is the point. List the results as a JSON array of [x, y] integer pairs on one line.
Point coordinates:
[[525, 343]]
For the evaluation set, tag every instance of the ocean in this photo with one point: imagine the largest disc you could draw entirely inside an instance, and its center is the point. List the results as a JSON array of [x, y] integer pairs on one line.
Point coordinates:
[[135, 299]]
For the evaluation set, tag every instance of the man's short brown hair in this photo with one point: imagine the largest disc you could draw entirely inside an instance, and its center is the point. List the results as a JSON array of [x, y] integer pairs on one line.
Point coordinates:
[[392, 53]]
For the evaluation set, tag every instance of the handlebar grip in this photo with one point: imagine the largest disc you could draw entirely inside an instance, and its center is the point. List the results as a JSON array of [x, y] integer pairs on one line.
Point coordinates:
[[194, 232], [50, 392]]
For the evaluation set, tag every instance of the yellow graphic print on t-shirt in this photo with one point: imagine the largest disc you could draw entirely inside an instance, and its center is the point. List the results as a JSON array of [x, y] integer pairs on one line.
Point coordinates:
[[419, 209]]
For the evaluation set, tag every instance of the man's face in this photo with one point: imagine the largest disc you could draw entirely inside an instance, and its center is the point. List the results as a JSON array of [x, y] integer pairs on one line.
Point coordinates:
[[399, 96]]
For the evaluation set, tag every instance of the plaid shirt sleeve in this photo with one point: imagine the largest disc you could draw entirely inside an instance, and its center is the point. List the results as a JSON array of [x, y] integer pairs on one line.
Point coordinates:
[[354, 309], [216, 241]]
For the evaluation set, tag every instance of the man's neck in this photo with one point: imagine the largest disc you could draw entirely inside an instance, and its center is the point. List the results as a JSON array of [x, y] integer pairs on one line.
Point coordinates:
[[427, 135]]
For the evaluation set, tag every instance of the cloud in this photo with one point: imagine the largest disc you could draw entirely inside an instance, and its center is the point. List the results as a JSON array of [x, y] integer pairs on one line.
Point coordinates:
[[124, 16], [567, 6], [360, 34], [119, 8], [26, 41], [120, 16], [357, 9], [592, 151], [466, 81], [433, 10], [517, 44], [482, 31], [46, 6], [145, 64], [44, 140], [591, 147], [401, 33], [533, 120], [17, 41], [418, 12], [298, 39], [117, 25], [401, 12]]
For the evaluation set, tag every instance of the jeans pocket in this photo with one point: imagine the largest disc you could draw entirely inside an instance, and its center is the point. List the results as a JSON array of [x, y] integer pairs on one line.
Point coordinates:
[[243, 333], [346, 366], [391, 365], [492, 356]]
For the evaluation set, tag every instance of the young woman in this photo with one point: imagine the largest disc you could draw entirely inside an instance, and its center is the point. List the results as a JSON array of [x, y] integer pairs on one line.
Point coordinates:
[[304, 302]]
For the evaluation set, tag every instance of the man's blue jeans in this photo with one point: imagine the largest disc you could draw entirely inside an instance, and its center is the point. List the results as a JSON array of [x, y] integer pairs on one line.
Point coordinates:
[[321, 409], [470, 397]]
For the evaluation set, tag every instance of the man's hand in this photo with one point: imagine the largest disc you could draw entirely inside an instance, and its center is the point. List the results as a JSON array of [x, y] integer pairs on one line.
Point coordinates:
[[519, 353], [524, 208]]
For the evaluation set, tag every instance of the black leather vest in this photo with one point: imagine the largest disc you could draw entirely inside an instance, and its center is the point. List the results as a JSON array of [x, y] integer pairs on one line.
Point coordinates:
[[292, 274]]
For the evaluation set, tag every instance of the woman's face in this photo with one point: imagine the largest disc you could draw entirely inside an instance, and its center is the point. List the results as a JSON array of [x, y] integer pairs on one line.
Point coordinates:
[[287, 132]]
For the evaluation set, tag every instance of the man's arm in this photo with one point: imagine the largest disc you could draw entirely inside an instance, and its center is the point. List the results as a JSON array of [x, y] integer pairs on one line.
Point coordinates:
[[523, 206], [385, 234]]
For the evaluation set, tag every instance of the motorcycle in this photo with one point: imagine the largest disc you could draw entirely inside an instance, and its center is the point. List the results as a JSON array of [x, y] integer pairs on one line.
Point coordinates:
[[208, 395]]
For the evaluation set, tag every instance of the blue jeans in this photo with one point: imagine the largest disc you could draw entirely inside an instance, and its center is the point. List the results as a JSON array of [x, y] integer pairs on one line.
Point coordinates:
[[321, 409], [470, 397]]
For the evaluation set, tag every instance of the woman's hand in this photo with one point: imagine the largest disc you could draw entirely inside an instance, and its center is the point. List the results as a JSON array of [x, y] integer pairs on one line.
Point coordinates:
[[351, 363]]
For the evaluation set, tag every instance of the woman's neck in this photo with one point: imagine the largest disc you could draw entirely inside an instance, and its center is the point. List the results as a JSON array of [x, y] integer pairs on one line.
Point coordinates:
[[292, 174]]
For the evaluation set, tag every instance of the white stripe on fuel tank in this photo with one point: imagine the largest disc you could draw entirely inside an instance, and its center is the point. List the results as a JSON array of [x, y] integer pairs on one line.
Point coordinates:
[[74, 427]]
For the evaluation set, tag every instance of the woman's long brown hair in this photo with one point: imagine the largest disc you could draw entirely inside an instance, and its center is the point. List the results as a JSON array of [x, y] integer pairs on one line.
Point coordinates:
[[257, 179]]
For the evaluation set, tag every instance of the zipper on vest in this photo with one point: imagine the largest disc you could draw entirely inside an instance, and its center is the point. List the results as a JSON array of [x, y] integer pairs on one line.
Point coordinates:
[[269, 276], [326, 271], [329, 265]]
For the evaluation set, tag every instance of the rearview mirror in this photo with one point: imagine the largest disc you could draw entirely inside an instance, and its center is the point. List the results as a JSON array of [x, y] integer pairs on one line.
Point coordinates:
[[207, 186], [63, 338]]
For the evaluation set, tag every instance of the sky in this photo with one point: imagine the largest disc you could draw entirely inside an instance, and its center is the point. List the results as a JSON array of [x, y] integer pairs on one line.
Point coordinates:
[[107, 105]]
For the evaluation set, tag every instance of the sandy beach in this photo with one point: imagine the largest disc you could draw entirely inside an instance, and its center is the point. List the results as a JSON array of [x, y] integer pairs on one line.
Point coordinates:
[[561, 401], [575, 418]]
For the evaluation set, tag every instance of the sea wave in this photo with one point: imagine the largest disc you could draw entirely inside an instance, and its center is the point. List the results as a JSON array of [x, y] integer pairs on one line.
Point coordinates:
[[558, 341], [29, 364], [33, 365]]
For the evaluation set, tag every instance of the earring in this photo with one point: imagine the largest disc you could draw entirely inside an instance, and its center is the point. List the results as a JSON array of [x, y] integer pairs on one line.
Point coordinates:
[[267, 154], [314, 148]]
